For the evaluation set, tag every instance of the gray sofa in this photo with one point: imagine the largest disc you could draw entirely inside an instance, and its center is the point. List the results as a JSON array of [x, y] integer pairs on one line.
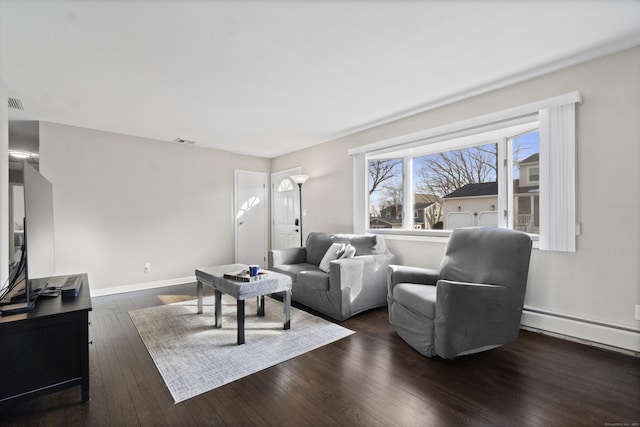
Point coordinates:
[[354, 283]]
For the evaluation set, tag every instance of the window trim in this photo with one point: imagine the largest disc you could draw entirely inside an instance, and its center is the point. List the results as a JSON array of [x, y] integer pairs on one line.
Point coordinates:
[[533, 181], [431, 137], [501, 138]]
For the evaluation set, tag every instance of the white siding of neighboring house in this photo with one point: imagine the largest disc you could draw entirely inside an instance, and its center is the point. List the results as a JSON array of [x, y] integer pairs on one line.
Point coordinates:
[[480, 205], [526, 218]]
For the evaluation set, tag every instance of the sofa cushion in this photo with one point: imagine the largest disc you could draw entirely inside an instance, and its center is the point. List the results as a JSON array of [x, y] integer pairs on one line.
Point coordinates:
[[317, 245], [292, 270], [314, 279], [417, 298], [334, 251]]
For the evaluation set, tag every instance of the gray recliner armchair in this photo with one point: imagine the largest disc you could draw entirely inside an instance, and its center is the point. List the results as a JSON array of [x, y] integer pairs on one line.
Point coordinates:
[[473, 303]]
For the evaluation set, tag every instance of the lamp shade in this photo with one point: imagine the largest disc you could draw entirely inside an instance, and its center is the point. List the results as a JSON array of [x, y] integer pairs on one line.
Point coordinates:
[[299, 179]]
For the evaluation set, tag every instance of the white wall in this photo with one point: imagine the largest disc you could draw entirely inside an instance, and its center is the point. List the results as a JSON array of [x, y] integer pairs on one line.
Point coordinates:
[[599, 284], [122, 201], [327, 195]]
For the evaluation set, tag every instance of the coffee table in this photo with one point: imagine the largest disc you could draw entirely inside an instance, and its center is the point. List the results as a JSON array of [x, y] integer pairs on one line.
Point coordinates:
[[274, 282]]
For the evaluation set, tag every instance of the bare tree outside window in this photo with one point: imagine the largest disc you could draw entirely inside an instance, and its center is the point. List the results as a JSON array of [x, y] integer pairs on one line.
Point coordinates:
[[385, 193], [382, 171], [443, 173]]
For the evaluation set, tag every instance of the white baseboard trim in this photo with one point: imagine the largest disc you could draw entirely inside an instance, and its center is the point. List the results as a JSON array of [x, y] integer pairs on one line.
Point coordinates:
[[141, 286], [611, 337]]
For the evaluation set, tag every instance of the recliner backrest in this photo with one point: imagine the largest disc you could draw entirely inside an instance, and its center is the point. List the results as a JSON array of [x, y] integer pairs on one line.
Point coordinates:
[[489, 255]]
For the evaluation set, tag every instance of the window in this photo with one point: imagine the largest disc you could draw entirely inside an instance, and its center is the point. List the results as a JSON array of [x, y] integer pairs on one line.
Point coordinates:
[[526, 185], [385, 193], [514, 169], [458, 187], [285, 185], [455, 187]]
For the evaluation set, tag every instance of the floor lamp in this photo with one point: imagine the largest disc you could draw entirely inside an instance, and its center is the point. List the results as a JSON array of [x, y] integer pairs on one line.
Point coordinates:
[[300, 179]]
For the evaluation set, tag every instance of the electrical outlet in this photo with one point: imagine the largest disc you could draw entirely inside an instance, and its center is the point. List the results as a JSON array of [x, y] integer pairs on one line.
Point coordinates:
[[147, 267], [637, 311]]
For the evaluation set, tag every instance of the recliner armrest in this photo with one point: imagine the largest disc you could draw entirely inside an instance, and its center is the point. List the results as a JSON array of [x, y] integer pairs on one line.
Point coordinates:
[[286, 256], [470, 316], [404, 274]]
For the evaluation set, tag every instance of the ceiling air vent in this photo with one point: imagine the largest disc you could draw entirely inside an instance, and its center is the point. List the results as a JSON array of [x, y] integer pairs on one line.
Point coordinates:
[[184, 141], [16, 104]]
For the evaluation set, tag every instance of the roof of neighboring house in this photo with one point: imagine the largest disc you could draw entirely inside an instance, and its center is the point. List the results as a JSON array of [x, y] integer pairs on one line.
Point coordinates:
[[533, 188], [421, 201], [422, 205], [391, 208], [535, 157], [477, 189], [389, 221], [488, 189]]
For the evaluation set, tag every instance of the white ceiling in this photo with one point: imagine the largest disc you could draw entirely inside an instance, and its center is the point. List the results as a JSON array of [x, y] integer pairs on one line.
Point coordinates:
[[274, 76]]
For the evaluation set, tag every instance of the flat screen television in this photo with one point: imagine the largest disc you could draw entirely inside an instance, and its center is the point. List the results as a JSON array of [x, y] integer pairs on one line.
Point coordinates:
[[38, 252]]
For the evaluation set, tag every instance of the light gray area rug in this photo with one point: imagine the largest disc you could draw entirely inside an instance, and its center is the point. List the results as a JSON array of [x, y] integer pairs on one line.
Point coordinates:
[[194, 357]]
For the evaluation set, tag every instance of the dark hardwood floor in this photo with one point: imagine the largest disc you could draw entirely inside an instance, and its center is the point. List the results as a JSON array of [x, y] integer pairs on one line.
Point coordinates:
[[370, 378]]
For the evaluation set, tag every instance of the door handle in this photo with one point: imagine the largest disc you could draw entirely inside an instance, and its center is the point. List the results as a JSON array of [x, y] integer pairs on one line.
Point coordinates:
[[296, 230], [296, 222]]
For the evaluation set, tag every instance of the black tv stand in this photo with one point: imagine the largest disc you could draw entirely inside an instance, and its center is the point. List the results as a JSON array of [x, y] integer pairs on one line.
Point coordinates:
[[46, 349]]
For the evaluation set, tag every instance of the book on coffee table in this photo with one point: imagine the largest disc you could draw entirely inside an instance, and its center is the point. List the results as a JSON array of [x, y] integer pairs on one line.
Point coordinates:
[[244, 276]]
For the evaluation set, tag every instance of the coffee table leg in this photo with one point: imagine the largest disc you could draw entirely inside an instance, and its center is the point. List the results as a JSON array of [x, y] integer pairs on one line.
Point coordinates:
[[218, 308], [240, 321], [261, 305], [199, 291], [286, 303]]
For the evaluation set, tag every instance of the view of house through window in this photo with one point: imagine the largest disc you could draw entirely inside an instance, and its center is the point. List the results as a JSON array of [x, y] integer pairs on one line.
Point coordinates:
[[451, 186], [526, 182], [459, 187]]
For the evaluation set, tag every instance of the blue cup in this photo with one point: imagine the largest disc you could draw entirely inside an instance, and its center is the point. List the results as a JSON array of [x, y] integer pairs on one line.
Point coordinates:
[[253, 270]]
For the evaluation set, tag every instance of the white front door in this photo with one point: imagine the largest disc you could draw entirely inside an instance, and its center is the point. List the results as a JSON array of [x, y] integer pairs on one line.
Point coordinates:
[[285, 210], [251, 217]]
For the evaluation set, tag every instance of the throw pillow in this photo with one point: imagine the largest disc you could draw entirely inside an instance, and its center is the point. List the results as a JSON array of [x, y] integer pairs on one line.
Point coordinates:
[[349, 252], [330, 255]]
